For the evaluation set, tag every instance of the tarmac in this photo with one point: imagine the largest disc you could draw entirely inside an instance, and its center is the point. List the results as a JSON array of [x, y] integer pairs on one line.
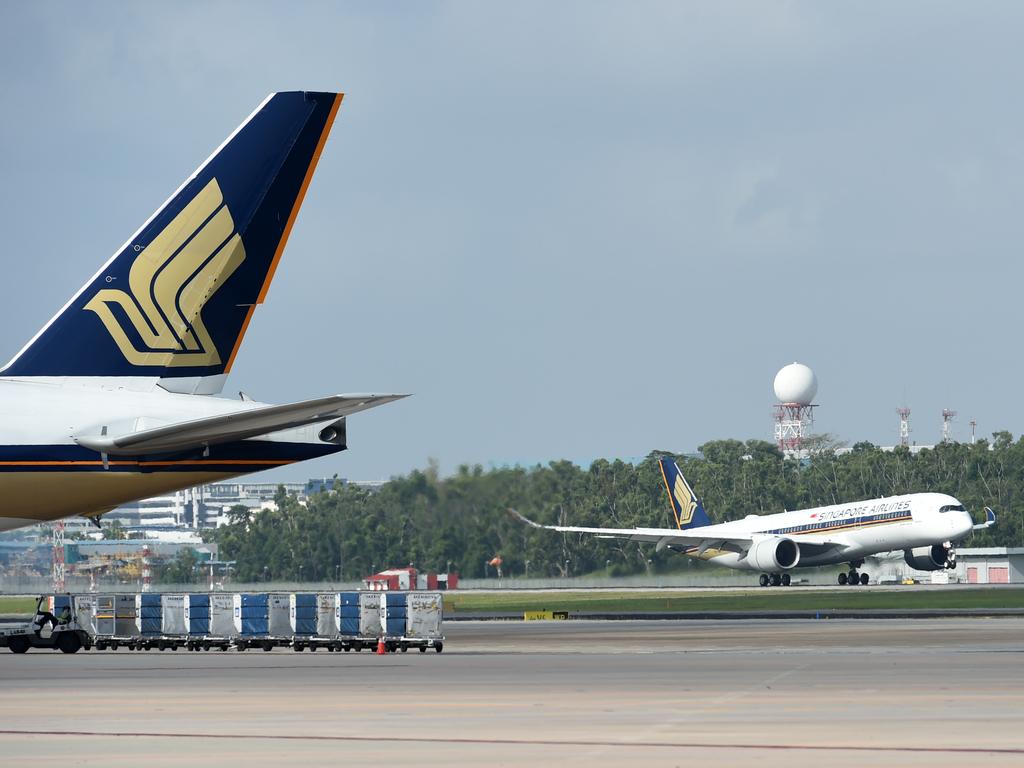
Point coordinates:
[[574, 693]]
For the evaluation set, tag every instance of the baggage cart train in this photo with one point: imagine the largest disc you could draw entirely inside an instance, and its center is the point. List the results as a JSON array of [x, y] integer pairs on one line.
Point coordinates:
[[333, 621]]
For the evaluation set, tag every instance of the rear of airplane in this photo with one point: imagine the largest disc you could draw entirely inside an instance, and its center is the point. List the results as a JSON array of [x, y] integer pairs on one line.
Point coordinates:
[[173, 303], [687, 509]]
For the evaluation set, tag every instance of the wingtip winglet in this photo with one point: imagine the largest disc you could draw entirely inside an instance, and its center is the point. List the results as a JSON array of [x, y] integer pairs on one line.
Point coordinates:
[[523, 519]]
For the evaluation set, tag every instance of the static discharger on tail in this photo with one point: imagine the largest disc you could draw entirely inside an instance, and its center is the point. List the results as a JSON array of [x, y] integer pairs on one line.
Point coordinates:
[[926, 526], [110, 400]]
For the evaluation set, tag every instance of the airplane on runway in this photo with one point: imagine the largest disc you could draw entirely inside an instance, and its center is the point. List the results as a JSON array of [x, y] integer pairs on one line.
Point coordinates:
[[925, 526], [112, 400]]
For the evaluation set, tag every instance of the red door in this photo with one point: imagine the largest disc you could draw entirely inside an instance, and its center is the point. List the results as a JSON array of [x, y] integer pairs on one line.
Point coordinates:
[[972, 574], [999, 574]]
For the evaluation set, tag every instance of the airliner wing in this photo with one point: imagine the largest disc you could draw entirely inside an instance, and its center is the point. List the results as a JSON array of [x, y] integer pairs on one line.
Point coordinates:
[[673, 537], [663, 537], [240, 425]]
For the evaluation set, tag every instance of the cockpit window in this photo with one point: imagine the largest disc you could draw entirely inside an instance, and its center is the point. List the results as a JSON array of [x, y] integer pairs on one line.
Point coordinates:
[[952, 508]]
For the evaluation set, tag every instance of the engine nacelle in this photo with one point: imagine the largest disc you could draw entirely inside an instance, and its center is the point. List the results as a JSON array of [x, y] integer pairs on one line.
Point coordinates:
[[927, 558], [773, 554]]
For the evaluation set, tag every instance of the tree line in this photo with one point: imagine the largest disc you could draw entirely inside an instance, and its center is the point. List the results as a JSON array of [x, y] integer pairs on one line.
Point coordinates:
[[461, 522]]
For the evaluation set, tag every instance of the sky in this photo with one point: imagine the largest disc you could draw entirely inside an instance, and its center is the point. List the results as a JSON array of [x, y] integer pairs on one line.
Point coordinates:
[[570, 230]]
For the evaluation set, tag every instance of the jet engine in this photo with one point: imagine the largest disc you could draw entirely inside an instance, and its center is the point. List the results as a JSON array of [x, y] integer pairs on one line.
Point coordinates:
[[933, 558], [773, 554]]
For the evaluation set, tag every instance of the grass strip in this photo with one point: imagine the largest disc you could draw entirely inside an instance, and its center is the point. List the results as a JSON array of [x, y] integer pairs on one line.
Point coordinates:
[[17, 605], [779, 599]]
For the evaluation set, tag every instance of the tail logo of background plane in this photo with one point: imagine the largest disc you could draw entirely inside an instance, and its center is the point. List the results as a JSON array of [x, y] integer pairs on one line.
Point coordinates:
[[687, 504], [170, 282]]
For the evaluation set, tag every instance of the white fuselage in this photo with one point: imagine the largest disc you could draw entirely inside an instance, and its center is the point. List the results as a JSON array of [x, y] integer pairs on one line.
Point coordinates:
[[45, 474], [846, 532]]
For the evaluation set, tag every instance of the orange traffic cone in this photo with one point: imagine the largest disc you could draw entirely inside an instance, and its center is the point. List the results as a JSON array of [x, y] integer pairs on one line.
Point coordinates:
[[381, 648]]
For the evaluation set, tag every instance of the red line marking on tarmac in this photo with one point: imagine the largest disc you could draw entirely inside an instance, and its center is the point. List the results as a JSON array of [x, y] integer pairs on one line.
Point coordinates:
[[529, 742]]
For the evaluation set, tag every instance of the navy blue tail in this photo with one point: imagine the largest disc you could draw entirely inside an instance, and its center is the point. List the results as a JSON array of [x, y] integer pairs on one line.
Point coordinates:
[[175, 301], [687, 509]]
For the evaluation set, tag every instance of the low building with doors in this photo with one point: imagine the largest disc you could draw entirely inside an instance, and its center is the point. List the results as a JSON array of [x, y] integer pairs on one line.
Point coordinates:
[[990, 565]]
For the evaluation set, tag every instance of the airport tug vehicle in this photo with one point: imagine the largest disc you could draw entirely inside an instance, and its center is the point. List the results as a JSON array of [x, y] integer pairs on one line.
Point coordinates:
[[65, 633]]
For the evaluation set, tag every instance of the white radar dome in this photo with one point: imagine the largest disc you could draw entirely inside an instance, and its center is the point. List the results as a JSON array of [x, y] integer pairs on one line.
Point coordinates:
[[796, 383]]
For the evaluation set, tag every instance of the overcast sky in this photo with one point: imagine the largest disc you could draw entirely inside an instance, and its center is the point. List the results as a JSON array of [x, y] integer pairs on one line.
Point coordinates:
[[572, 230]]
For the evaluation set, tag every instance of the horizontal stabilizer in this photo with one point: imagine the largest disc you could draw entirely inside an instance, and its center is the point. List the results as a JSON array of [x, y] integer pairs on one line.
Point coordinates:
[[214, 430]]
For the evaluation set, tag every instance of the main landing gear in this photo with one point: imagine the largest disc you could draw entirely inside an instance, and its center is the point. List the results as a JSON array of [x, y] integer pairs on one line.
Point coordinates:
[[774, 580], [853, 578]]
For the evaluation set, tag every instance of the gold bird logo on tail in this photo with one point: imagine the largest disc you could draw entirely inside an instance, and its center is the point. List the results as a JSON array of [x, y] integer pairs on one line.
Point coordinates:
[[170, 282], [687, 504]]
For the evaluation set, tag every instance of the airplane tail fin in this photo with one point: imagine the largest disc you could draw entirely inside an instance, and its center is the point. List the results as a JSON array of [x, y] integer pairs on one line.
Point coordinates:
[[687, 509], [990, 520], [175, 300]]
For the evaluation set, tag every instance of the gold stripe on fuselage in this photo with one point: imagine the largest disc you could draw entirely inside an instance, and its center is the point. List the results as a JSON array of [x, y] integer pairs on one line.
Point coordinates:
[[53, 495]]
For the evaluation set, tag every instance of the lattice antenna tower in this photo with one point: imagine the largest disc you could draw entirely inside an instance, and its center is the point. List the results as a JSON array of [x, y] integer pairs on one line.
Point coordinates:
[[904, 414], [947, 417], [58, 556]]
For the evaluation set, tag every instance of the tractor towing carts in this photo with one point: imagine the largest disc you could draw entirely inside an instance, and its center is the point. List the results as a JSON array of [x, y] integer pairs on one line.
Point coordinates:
[[65, 633]]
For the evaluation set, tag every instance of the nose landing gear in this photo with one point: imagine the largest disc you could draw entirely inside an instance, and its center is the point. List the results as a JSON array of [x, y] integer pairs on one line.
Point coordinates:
[[950, 555]]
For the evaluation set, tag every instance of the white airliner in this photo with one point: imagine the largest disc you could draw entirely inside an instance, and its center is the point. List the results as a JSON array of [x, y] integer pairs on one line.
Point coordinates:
[[926, 526], [112, 400]]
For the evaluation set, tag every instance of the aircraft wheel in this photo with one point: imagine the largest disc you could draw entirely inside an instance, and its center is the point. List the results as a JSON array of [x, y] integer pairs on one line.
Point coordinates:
[[864, 579], [786, 579], [853, 578], [776, 580], [763, 580], [842, 579]]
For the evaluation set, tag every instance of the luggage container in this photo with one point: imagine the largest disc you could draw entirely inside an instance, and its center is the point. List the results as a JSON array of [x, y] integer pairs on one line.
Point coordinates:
[[302, 613], [394, 614], [371, 627], [84, 610], [313, 621], [279, 623], [425, 614], [222, 620], [252, 621], [197, 615], [173, 628], [412, 620], [325, 608], [348, 614], [148, 613], [115, 618]]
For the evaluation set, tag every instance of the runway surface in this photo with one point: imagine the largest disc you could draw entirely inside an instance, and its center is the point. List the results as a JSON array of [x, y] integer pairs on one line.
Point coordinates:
[[766, 693]]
